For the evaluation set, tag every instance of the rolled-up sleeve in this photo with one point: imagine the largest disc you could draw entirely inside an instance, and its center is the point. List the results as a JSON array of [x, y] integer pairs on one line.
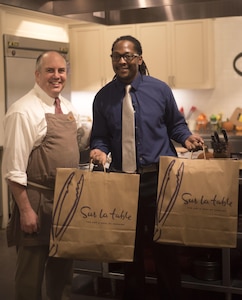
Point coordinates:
[[18, 144]]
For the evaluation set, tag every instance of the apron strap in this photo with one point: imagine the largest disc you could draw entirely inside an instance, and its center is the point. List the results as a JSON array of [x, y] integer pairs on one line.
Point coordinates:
[[40, 186]]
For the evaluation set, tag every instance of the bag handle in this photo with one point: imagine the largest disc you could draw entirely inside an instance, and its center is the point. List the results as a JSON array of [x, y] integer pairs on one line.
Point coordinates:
[[92, 166], [204, 152]]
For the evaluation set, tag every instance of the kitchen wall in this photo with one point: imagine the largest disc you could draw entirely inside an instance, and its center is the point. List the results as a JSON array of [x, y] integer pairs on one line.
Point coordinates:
[[227, 94]]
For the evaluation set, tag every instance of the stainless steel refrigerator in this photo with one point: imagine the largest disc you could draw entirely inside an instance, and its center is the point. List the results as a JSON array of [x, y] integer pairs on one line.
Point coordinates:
[[20, 55]]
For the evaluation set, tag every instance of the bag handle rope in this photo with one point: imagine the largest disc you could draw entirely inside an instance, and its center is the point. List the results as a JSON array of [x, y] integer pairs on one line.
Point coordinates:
[[204, 152]]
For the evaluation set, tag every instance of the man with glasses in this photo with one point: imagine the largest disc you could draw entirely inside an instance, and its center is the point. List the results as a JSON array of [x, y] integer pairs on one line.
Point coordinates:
[[157, 120]]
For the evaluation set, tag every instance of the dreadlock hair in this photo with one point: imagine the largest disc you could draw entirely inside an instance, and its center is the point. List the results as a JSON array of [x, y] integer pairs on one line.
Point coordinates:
[[142, 68]]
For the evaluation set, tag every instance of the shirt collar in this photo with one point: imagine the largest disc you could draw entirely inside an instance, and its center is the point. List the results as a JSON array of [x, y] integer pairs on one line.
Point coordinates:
[[135, 83], [43, 96]]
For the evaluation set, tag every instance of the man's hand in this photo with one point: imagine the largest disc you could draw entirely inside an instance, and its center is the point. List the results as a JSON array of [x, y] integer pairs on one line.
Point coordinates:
[[98, 157], [29, 221], [194, 143], [28, 217]]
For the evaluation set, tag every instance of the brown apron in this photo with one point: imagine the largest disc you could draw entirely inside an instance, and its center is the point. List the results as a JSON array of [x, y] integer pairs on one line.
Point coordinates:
[[59, 149]]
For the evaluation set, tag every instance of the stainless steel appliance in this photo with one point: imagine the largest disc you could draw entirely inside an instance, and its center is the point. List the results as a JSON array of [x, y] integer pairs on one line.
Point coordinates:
[[111, 12], [20, 55]]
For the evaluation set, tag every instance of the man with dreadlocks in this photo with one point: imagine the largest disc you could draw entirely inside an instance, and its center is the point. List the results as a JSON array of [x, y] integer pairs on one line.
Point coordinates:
[[157, 121]]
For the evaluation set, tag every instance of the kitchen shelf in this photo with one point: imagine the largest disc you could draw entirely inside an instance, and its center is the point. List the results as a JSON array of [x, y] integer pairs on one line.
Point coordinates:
[[237, 284], [226, 284]]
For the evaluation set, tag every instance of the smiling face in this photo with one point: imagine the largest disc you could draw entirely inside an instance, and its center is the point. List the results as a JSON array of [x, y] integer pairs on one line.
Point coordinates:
[[126, 70], [51, 74]]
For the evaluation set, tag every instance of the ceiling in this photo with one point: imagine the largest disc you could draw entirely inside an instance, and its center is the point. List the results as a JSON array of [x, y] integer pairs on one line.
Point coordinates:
[[115, 12]]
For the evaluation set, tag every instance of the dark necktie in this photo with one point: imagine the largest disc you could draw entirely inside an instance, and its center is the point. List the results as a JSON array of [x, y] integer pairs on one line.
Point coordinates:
[[128, 134], [57, 106]]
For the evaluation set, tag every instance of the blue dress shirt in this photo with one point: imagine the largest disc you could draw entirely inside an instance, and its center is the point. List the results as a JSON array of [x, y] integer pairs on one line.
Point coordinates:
[[157, 120]]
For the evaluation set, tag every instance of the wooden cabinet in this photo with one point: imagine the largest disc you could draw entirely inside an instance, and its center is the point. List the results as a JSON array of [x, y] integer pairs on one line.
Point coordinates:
[[90, 49], [156, 45], [86, 69], [192, 54], [179, 53]]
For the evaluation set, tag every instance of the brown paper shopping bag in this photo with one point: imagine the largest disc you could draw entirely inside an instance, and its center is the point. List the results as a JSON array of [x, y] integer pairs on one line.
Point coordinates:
[[197, 202], [94, 215]]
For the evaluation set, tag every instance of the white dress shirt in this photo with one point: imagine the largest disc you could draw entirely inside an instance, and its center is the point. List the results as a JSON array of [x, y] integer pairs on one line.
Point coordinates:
[[25, 128]]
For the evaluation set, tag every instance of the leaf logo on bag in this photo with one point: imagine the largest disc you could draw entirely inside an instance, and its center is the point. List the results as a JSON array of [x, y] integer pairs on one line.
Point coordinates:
[[163, 212], [56, 232]]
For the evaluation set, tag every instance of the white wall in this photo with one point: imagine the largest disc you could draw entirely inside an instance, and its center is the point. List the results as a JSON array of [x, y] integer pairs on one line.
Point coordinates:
[[83, 102]]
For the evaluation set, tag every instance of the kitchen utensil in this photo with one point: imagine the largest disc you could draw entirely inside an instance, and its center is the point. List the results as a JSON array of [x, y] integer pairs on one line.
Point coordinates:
[[206, 268], [191, 111], [182, 111], [220, 146], [216, 136], [225, 135]]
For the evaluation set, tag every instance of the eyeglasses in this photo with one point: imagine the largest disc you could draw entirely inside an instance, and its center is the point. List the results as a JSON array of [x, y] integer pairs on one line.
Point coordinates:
[[127, 57]]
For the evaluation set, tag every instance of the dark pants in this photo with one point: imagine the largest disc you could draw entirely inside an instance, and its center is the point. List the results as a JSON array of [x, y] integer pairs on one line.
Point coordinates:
[[165, 256]]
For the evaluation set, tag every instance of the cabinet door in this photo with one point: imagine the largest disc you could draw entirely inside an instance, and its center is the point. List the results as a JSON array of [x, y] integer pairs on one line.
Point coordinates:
[[90, 49], [192, 54], [179, 53], [110, 35], [86, 52], [155, 41]]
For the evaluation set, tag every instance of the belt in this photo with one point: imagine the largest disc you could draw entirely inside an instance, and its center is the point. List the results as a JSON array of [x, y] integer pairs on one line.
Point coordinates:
[[148, 169]]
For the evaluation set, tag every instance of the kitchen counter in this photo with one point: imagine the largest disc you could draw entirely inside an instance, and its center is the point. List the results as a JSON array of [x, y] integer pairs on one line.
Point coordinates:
[[208, 133], [234, 138]]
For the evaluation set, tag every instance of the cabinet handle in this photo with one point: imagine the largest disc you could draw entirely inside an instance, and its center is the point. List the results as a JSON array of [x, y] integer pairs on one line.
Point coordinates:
[[169, 81], [173, 81]]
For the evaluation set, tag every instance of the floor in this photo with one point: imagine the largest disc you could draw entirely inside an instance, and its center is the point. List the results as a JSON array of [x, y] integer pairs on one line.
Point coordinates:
[[85, 286]]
